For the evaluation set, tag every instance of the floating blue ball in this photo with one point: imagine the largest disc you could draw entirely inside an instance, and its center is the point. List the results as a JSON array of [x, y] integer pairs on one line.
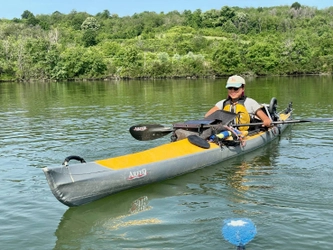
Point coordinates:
[[238, 231]]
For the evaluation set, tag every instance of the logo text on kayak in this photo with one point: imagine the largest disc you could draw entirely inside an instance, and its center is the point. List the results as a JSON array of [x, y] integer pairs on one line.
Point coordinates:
[[137, 174]]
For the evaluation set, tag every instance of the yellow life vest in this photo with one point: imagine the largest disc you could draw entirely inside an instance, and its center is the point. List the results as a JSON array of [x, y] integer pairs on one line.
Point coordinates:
[[238, 108]]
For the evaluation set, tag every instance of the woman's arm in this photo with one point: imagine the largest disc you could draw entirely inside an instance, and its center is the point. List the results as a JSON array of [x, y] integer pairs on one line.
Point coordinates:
[[265, 119]]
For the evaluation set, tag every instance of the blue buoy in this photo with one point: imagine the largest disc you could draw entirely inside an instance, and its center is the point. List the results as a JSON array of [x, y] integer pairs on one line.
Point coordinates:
[[239, 231]]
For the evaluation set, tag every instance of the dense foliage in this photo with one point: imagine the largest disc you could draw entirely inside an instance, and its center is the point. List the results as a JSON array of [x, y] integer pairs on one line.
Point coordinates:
[[279, 40]]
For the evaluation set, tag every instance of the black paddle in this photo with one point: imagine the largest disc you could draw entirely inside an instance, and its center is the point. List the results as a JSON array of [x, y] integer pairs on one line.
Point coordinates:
[[146, 132]]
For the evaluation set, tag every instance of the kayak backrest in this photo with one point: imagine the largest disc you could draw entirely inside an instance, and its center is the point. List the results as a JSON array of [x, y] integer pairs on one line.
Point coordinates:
[[222, 116]]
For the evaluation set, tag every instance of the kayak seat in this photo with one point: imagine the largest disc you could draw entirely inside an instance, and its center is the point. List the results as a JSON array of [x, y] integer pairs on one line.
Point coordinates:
[[270, 111]]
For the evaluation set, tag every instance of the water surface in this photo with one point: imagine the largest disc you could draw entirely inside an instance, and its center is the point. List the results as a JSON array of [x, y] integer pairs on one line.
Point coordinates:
[[284, 188]]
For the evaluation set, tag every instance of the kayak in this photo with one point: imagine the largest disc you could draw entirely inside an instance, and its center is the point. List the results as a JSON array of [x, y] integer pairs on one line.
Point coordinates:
[[84, 182]]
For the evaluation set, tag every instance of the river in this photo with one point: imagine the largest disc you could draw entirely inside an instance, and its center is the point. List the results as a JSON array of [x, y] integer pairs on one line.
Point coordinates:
[[284, 188]]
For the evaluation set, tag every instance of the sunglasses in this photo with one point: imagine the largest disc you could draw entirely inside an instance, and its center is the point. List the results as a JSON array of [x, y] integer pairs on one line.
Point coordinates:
[[235, 89]]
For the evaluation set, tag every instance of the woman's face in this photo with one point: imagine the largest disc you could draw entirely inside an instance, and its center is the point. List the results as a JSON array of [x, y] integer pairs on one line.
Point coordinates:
[[235, 93]]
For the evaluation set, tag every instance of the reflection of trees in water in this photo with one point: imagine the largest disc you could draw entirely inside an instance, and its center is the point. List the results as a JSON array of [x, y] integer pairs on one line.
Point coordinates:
[[258, 166], [235, 175], [243, 173], [249, 173]]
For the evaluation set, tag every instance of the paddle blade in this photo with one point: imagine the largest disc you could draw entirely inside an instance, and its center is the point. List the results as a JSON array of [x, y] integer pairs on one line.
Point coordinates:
[[146, 132], [238, 232]]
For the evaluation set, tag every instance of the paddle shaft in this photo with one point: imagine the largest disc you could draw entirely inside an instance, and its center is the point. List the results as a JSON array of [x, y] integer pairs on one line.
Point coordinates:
[[287, 122]]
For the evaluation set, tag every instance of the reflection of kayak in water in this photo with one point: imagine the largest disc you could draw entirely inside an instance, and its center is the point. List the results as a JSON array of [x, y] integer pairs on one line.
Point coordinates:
[[128, 214], [112, 214], [78, 184]]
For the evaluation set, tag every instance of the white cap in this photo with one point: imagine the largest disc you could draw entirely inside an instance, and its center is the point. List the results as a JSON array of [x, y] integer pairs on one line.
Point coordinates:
[[235, 81]]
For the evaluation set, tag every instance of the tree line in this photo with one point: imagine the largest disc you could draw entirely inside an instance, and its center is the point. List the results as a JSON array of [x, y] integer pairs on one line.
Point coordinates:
[[280, 40]]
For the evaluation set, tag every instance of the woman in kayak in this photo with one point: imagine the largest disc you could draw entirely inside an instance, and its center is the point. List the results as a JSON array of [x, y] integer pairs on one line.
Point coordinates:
[[238, 103]]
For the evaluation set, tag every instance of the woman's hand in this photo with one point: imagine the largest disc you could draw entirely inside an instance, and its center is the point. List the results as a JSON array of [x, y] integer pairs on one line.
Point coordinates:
[[265, 119]]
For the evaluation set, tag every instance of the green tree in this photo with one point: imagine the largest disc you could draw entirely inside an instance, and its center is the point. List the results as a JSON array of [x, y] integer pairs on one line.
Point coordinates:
[[194, 19], [89, 38], [296, 5], [227, 59], [210, 18], [262, 57], [129, 60], [30, 18], [27, 14], [75, 19], [193, 65], [158, 66], [227, 13], [82, 62], [104, 15], [197, 19], [295, 56], [90, 23], [229, 27]]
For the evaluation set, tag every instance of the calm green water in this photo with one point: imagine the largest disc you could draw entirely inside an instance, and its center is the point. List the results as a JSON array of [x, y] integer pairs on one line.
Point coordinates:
[[285, 188]]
